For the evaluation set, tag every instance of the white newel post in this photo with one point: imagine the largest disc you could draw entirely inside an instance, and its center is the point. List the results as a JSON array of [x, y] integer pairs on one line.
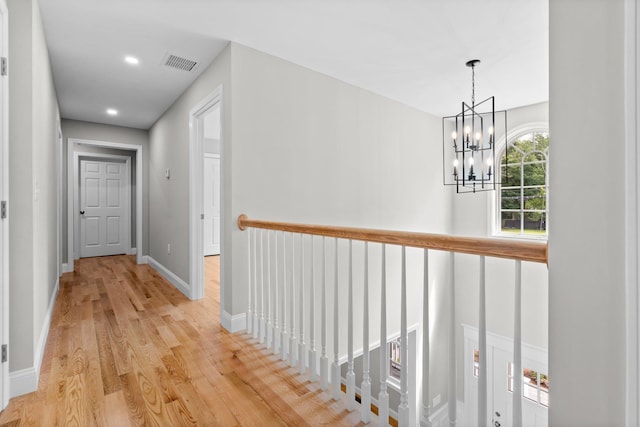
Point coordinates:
[[292, 317], [301, 345], [383, 396], [351, 376], [452, 404], [335, 367], [249, 283], [482, 348], [256, 318], [517, 348], [365, 387], [324, 361], [312, 312], [426, 348], [285, 336], [403, 409]]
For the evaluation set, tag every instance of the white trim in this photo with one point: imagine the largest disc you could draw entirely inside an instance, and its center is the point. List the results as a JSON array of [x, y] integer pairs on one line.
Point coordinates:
[[196, 195], [65, 268], [4, 195], [26, 380], [234, 323], [71, 196], [169, 275], [81, 155], [133, 251], [632, 210], [23, 381]]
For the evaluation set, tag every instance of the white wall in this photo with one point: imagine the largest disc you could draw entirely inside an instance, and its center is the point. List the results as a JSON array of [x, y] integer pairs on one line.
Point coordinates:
[[99, 132], [33, 180], [587, 242]]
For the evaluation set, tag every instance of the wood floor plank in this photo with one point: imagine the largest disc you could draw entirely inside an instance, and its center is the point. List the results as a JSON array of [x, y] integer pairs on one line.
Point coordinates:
[[126, 348]]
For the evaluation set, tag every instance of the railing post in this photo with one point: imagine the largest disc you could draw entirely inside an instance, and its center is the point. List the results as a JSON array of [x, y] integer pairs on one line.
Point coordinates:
[[301, 345], [269, 294], [452, 404], [383, 396], [351, 376], [312, 310], [285, 336], [403, 409], [263, 323], [365, 387], [277, 332], [292, 317], [517, 348], [426, 347], [336, 377], [324, 361], [250, 284], [482, 349], [256, 318]]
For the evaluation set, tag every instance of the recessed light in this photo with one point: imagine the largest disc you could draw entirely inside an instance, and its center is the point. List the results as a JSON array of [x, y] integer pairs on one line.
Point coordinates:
[[131, 60], [112, 112]]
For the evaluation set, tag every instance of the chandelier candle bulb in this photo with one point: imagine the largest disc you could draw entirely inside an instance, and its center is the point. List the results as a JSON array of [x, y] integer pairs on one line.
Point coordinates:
[[455, 167]]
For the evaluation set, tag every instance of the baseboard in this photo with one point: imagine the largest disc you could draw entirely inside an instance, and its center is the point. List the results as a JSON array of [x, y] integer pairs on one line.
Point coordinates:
[[22, 382], [235, 323], [133, 251], [180, 284], [66, 268], [26, 380]]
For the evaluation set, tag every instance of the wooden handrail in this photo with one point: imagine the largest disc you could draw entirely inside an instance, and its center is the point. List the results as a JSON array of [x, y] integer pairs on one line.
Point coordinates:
[[500, 248]]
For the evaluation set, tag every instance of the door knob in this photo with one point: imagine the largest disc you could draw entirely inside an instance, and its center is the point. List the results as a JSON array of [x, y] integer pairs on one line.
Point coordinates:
[[496, 424], [81, 212]]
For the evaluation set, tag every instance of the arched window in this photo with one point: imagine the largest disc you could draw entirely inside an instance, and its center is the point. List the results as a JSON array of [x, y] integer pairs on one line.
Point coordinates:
[[522, 204]]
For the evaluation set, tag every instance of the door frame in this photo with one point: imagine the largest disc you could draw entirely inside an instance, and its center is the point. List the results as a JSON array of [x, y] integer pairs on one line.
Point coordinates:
[[72, 195], [196, 195], [4, 195], [215, 156], [77, 158]]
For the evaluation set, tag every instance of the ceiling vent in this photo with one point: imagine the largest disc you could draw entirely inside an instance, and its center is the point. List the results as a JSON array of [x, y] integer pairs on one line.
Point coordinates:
[[180, 63]]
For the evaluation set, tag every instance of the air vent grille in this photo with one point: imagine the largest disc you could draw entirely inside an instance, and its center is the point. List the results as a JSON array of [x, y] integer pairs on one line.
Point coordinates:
[[180, 63]]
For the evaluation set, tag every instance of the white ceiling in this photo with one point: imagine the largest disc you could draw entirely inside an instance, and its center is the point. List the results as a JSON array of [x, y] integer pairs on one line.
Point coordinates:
[[412, 51]]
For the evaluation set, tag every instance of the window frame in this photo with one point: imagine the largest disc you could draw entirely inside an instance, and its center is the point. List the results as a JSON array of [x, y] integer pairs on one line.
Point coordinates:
[[496, 211]]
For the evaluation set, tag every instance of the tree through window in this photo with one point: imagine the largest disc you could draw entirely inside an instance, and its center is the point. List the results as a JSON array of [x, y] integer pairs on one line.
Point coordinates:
[[523, 193]]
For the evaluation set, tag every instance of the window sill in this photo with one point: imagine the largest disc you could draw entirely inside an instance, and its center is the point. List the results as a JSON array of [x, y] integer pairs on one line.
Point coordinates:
[[514, 236]]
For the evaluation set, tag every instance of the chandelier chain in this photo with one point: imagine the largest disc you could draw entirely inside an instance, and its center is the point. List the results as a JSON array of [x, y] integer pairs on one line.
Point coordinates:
[[473, 85]]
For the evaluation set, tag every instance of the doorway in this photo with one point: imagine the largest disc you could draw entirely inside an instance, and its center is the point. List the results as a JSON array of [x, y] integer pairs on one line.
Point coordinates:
[[105, 214], [211, 144]]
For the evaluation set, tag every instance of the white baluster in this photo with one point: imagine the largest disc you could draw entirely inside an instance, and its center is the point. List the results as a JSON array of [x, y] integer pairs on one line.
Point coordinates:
[[365, 386], [256, 318], [482, 349], [383, 396], [517, 348], [426, 348], [324, 361], [312, 309], [269, 294], [336, 377], [250, 293], [452, 345], [277, 332], [301, 345], [403, 409], [351, 376], [284, 341], [263, 323], [292, 317]]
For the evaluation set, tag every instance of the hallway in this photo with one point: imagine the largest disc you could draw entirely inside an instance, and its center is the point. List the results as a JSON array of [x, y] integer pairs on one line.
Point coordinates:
[[126, 348]]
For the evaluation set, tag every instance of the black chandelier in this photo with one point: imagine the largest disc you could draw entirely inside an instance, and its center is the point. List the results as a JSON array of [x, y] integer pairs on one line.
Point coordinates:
[[468, 142]]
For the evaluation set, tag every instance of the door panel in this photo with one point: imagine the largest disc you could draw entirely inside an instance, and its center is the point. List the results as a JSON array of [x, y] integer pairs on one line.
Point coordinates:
[[104, 199], [212, 205]]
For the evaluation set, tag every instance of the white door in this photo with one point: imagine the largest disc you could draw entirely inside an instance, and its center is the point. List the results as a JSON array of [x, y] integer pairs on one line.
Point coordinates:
[[211, 204], [104, 208], [535, 392]]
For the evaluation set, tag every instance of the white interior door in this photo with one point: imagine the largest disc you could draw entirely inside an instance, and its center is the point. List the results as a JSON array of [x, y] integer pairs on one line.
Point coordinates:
[[211, 204], [104, 208]]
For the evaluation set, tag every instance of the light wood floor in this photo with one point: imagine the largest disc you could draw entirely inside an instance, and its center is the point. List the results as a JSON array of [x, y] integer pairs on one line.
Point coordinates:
[[126, 348]]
